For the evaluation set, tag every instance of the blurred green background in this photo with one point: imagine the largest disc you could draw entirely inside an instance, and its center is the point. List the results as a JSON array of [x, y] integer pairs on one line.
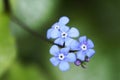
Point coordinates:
[[25, 57]]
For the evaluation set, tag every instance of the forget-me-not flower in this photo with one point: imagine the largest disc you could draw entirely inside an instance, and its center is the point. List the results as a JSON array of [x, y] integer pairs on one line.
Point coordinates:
[[84, 47], [61, 57], [66, 48], [64, 35], [61, 23]]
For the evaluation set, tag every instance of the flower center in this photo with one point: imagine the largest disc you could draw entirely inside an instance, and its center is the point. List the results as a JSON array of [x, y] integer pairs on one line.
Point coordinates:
[[84, 47], [57, 27], [64, 34], [61, 56]]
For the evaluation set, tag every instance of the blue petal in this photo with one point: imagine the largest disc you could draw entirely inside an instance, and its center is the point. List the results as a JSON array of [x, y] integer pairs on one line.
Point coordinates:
[[64, 20], [81, 55], [71, 57], [65, 50], [54, 50], [82, 39], [55, 34], [90, 44], [53, 26], [68, 42], [54, 61], [59, 41], [49, 33], [57, 24], [74, 45], [64, 28], [90, 53], [73, 32], [64, 66]]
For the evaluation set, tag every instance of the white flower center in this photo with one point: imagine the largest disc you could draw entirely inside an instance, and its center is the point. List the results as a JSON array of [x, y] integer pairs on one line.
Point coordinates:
[[64, 34], [84, 47], [61, 56], [57, 27]]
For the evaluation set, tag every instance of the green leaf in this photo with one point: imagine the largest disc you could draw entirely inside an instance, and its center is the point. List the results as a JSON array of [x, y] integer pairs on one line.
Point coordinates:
[[32, 13], [1, 6], [25, 72], [7, 46]]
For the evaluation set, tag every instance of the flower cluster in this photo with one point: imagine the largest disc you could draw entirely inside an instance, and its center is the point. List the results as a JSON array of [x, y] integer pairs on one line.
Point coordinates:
[[66, 48]]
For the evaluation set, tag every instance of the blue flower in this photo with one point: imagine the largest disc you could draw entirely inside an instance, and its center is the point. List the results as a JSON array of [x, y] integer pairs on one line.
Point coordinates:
[[61, 23], [84, 47], [64, 35], [61, 57]]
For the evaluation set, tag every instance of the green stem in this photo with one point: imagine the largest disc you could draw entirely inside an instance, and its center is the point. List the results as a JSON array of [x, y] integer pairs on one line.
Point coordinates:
[[6, 6], [25, 27]]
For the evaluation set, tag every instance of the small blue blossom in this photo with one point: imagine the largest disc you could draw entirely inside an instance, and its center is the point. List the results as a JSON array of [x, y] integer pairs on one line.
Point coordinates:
[[64, 35], [61, 23], [61, 57], [66, 48], [84, 47]]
